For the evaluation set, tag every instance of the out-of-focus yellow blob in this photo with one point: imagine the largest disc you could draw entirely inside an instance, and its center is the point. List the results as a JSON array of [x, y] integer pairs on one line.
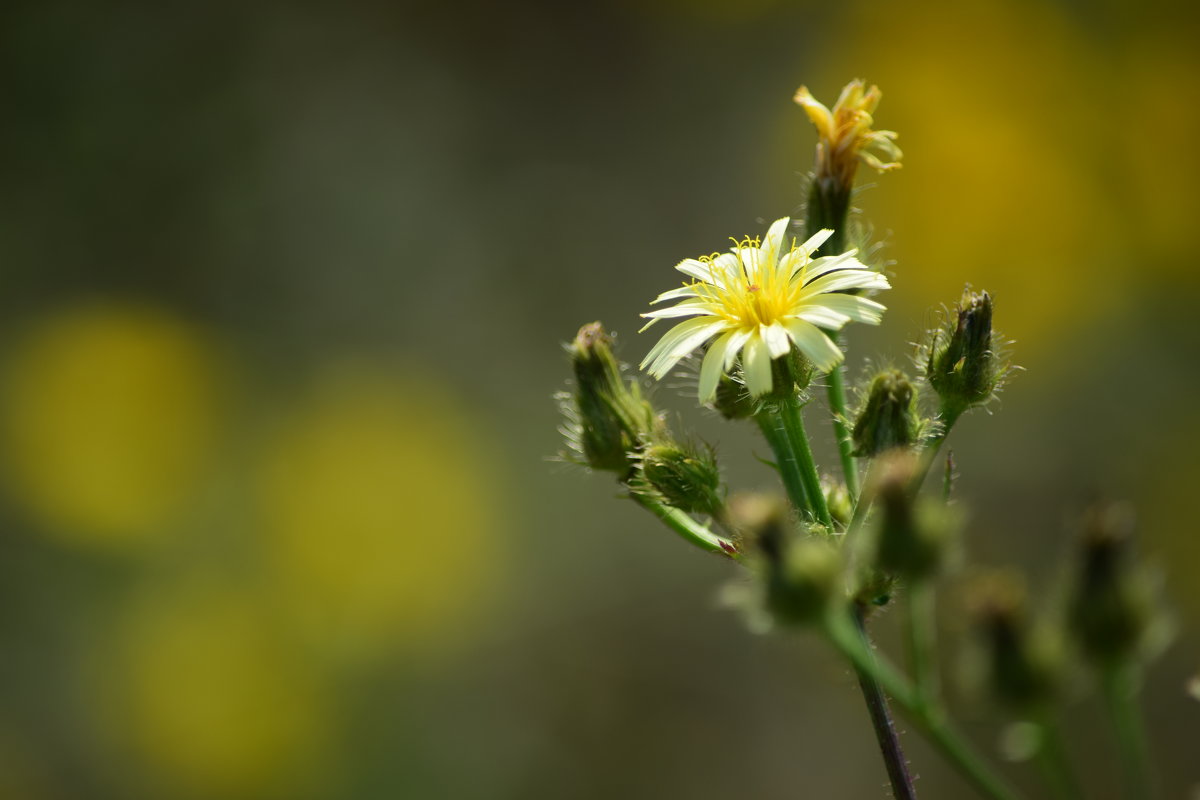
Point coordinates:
[[109, 417], [1001, 111], [1158, 126], [214, 702], [380, 511]]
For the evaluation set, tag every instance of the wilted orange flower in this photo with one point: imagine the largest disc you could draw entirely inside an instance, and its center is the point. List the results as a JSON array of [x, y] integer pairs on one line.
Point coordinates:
[[845, 133]]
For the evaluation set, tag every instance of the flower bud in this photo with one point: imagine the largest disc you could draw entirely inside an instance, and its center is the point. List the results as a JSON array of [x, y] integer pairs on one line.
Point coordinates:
[[733, 399], [687, 479], [608, 420], [790, 373], [1113, 610], [962, 364], [804, 582], [764, 522], [1023, 665], [889, 417], [912, 540], [837, 500], [874, 588]]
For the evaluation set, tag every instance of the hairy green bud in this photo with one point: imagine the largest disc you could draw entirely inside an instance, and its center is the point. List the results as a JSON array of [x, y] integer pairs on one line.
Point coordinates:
[[802, 584], [791, 373], [912, 540], [686, 478], [609, 419], [837, 500], [764, 523], [962, 364], [733, 399], [1113, 609], [889, 417], [1024, 665]]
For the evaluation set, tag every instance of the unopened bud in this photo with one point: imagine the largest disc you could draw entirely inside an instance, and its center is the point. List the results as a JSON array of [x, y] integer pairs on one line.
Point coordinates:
[[1113, 610], [764, 523], [837, 500], [791, 373], [1024, 665], [913, 539], [875, 588], [802, 585], [733, 399], [611, 418], [962, 364], [686, 478], [889, 417]]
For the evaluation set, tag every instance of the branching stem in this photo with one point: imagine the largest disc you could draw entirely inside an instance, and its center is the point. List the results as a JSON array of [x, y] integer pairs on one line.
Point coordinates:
[[840, 629], [688, 529]]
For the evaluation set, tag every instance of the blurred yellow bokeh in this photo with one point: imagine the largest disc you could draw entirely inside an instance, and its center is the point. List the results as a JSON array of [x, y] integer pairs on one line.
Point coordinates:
[[212, 698], [379, 510], [1014, 179], [109, 419]]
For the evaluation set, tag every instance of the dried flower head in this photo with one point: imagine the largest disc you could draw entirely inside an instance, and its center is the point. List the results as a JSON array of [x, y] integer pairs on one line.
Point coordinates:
[[845, 133]]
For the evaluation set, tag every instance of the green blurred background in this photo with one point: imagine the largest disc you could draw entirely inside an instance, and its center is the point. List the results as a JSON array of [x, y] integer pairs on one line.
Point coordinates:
[[283, 288]]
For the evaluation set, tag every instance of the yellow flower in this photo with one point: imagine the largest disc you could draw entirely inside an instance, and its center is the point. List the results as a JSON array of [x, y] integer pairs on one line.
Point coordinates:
[[758, 301], [845, 133]]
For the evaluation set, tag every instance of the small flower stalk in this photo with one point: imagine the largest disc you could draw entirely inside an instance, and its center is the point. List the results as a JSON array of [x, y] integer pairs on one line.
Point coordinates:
[[759, 328]]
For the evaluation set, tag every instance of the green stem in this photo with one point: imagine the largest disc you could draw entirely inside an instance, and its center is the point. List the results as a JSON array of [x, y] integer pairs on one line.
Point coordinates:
[[837, 405], [1120, 690], [788, 411], [922, 639], [829, 207], [1054, 763], [691, 531], [933, 446], [840, 629], [948, 478], [785, 459], [881, 720], [783, 428]]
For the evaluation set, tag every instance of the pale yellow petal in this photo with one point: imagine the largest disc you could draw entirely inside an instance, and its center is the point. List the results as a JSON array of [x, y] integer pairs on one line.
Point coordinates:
[[822, 352]]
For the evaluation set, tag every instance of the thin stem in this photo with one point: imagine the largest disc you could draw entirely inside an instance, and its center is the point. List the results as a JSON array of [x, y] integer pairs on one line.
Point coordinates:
[[948, 478], [783, 428], [839, 628], [785, 459], [922, 639], [933, 446], [829, 207], [1120, 690], [881, 720], [1054, 763], [837, 405], [689, 529], [788, 411]]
